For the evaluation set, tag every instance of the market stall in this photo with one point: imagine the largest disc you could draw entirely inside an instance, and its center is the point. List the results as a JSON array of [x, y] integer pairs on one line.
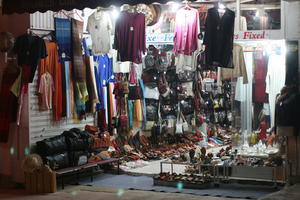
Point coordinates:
[[195, 83]]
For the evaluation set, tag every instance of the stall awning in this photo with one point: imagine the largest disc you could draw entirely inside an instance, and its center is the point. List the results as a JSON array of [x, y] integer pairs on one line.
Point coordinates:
[[31, 6]]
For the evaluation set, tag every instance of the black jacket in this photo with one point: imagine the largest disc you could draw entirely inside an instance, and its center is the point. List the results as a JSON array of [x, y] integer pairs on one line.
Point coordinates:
[[218, 37]]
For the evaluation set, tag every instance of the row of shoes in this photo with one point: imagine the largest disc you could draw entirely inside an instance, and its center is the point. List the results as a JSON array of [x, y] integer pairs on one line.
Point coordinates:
[[185, 178], [139, 147]]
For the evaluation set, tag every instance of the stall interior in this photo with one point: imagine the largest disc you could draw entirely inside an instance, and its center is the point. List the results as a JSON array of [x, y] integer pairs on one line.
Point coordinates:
[[153, 100]]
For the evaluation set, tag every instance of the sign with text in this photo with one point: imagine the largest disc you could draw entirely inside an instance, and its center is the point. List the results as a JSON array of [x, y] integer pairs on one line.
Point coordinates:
[[251, 35], [160, 38], [246, 35]]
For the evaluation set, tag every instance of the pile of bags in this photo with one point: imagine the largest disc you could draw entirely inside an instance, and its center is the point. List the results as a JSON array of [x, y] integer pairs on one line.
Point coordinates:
[[73, 147]]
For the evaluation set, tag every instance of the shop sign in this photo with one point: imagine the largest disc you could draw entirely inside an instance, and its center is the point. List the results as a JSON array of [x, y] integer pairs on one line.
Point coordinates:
[[250, 35], [160, 38]]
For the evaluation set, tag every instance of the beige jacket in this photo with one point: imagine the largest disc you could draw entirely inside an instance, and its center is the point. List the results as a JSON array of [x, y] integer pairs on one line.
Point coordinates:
[[238, 62]]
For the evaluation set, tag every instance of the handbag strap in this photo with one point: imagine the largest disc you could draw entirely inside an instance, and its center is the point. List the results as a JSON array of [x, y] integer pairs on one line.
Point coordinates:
[[182, 116], [158, 112], [178, 113]]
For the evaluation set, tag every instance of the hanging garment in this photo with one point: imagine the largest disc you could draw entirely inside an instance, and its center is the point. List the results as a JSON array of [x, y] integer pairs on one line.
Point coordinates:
[[26, 70], [9, 102], [239, 66], [93, 99], [130, 113], [64, 90], [218, 38], [46, 88], [100, 27], [186, 31], [79, 68], [242, 26], [119, 67], [275, 80], [143, 100], [259, 79], [102, 70], [130, 37], [52, 65], [242, 90], [63, 37], [30, 49], [78, 62], [68, 89]]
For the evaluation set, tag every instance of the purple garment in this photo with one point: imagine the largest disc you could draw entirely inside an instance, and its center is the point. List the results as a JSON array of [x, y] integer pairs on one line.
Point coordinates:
[[186, 31], [130, 37]]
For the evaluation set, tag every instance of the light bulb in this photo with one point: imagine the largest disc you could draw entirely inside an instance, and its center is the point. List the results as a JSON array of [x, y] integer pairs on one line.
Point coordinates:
[[175, 7], [115, 13]]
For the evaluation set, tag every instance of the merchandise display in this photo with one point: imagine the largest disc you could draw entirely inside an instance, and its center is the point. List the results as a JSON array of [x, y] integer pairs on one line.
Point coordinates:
[[156, 89]]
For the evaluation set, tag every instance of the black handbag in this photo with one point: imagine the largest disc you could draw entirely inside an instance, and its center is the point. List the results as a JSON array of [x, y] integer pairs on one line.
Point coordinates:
[[187, 106], [161, 63], [150, 78], [151, 112], [171, 75], [77, 140], [186, 76], [77, 158], [51, 146], [134, 92], [58, 161], [150, 62]]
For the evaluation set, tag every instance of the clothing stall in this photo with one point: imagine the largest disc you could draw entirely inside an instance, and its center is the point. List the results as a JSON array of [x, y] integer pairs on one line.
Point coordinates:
[[191, 83]]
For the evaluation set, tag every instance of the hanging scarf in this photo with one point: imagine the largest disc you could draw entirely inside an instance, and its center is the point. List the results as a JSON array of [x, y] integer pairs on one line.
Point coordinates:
[[63, 36]]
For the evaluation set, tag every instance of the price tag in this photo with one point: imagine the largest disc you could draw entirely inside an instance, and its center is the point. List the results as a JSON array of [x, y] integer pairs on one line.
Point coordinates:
[[63, 55], [131, 28]]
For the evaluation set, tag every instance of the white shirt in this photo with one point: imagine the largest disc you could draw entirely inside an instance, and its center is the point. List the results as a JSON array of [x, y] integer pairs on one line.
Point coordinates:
[[100, 27], [275, 78]]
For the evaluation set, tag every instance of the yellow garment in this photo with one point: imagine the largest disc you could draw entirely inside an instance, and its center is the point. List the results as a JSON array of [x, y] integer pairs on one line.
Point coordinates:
[[138, 110], [83, 93], [15, 88]]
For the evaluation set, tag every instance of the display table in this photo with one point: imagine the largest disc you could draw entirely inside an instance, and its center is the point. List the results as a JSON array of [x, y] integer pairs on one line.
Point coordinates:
[[234, 173], [77, 169]]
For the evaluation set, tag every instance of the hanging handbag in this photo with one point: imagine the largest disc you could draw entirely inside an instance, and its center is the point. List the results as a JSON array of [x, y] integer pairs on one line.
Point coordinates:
[[123, 118], [186, 76], [171, 75], [149, 125], [161, 63], [185, 124], [150, 77], [151, 112], [151, 93], [188, 88], [200, 119], [157, 127], [134, 92], [149, 62], [187, 106], [125, 84], [163, 87], [169, 125], [179, 126]]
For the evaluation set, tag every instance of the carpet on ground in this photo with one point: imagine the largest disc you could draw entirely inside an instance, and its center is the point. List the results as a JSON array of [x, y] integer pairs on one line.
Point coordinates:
[[233, 190]]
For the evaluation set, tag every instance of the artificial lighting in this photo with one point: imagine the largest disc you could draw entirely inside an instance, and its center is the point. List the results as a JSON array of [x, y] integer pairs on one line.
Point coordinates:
[[175, 7], [115, 12]]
